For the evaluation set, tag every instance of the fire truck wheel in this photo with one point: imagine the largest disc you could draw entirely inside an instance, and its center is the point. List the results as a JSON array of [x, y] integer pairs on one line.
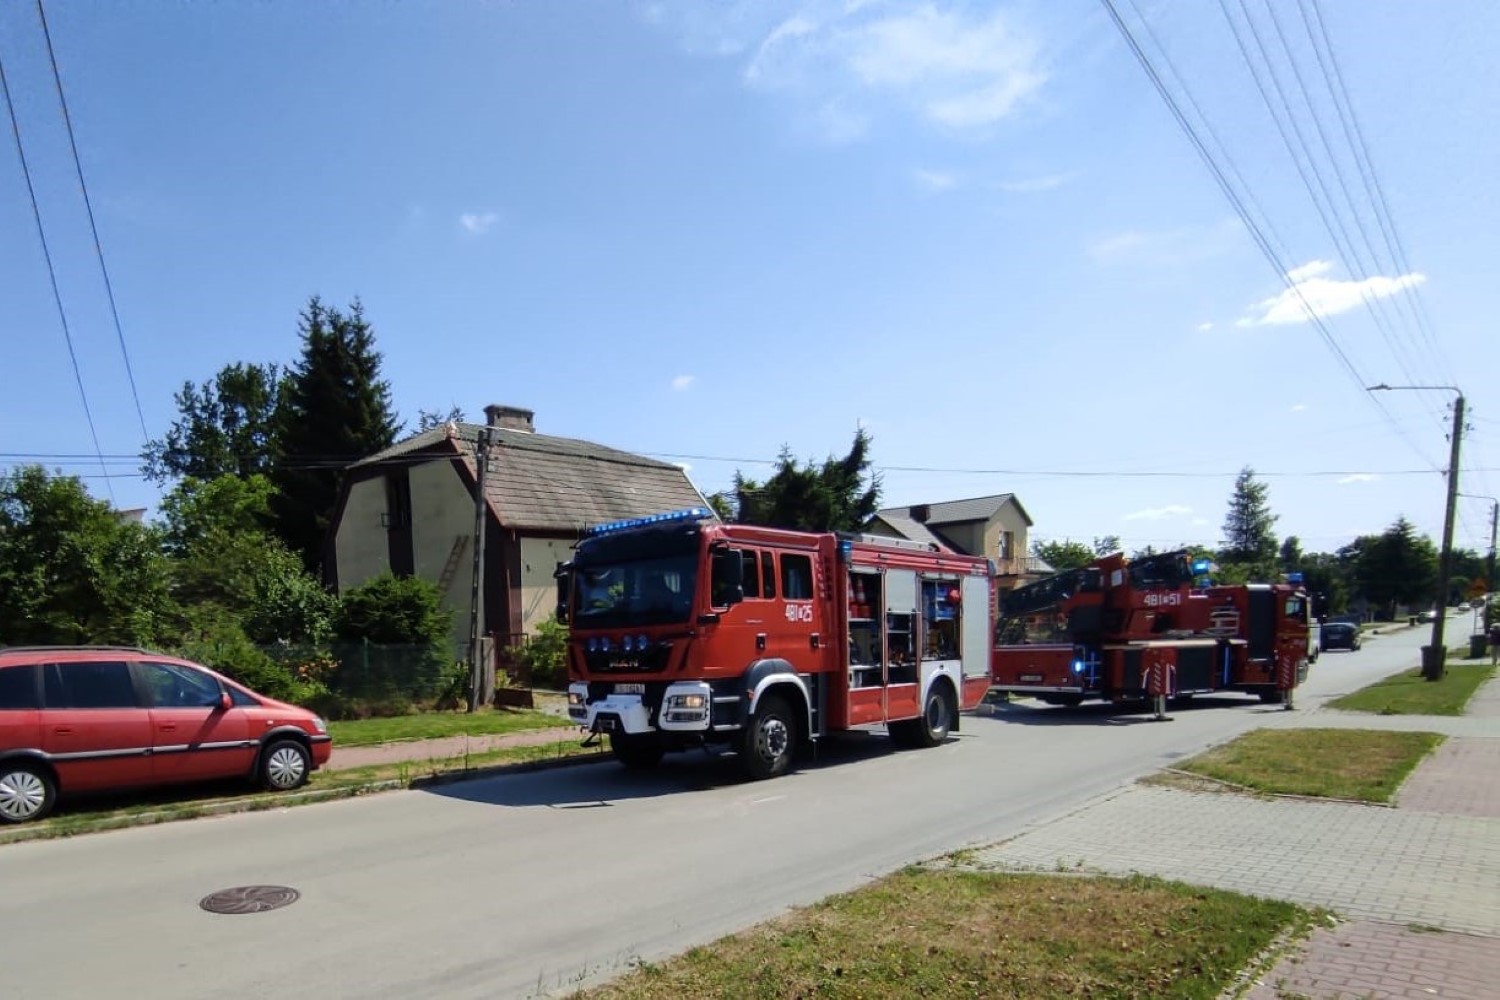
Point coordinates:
[[636, 752], [770, 740], [937, 718], [1272, 697]]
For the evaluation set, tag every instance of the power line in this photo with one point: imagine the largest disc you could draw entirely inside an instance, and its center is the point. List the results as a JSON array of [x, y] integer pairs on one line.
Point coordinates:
[[93, 227], [1316, 31], [1295, 141], [1263, 241], [36, 212]]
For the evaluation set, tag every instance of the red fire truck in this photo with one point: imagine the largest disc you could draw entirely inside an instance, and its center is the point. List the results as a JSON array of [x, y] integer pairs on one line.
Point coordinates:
[[1150, 628], [686, 632]]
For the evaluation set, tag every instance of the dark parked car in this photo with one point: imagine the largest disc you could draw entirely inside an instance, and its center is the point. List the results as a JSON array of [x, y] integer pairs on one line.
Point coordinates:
[[1339, 635]]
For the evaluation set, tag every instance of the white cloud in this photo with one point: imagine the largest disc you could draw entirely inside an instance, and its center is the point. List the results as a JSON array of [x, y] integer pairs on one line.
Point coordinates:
[[935, 180], [844, 61], [1298, 407], [1324, 296], [1199, 522], [478, 222], [682, 382], [1205, 327], [1159, 513], [1032, 185], [1359, 477]]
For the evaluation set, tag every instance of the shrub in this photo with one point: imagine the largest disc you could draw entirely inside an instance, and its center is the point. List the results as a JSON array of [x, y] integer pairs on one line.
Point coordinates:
[[392, 641], [543, 660], [225, 648]]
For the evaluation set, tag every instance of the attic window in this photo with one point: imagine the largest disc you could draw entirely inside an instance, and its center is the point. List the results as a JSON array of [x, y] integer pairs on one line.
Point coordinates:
[[397, 501]]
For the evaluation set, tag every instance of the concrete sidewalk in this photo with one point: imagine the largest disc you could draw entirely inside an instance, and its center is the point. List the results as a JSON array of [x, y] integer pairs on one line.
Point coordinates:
[[1417, 886]]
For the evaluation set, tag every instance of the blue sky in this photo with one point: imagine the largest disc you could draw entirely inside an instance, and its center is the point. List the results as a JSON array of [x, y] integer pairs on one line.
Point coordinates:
[[707, 230]]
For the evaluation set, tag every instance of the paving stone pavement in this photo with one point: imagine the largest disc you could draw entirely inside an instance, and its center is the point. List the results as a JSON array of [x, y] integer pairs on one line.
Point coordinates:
[[1368, 959], [1460, 778], [1367, 862]]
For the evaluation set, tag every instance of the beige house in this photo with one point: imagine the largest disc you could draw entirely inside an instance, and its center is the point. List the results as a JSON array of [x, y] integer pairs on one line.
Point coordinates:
[[410, 510], [997, 527]]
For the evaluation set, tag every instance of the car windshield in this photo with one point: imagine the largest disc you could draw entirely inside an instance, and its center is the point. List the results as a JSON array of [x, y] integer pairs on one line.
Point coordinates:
[[638, 592]]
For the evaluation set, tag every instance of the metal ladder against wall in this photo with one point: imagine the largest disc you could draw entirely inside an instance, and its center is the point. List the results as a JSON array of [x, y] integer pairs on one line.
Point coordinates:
[[455, 559]]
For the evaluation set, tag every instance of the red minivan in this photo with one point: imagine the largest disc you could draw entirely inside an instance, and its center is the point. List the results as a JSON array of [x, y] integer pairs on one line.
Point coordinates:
[[106, 718]]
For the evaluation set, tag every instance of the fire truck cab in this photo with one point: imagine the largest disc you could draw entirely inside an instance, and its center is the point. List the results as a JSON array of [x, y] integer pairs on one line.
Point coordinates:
[[685, 632]]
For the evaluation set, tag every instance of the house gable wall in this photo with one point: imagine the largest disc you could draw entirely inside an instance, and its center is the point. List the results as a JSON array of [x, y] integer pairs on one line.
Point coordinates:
[[362, 549], [443, 531]]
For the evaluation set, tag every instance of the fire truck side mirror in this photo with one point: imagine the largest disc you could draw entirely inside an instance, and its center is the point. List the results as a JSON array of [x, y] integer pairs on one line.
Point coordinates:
[[726, 578], [564, 577]]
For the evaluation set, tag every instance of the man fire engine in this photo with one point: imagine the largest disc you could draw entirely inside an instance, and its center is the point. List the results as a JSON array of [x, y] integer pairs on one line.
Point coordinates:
[[686, 632], [1150, 628]]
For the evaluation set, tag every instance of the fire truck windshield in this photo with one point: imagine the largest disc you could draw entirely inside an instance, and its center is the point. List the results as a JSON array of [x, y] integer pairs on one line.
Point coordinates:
[[651, 591]]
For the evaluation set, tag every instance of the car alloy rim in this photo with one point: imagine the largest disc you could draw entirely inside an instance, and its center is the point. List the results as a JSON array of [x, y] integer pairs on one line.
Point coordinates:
[[286, 767], [21, 795], [773, 740]]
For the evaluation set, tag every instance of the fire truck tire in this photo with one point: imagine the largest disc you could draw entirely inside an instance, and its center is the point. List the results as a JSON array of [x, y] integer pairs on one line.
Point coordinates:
[[937, 718], [636, 752], [1272, 697], [770, 740]]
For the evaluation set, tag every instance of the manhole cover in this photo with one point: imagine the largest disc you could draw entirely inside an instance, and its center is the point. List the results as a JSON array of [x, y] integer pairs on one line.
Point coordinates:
[[249, 899]]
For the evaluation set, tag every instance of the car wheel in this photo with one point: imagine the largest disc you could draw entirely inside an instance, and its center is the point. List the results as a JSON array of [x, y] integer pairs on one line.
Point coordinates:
[[937, 718], [285, 765], [770, 740], [27, 792]]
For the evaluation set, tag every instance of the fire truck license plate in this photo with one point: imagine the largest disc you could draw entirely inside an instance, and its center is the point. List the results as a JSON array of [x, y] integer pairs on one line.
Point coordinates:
[[1031, 678], [630, 689]]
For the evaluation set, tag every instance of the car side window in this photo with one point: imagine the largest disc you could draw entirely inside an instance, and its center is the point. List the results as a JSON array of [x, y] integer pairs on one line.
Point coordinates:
[[88, 684], [750, 576], [18, 687], [169, 685], [240, 698], [796, 577]]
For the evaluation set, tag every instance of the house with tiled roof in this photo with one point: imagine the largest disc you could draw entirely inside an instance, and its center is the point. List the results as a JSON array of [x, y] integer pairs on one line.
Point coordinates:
[[996, 527], [411, 510]]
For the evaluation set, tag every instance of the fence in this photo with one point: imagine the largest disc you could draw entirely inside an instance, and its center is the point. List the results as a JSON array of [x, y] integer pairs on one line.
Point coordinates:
[[371, 672]]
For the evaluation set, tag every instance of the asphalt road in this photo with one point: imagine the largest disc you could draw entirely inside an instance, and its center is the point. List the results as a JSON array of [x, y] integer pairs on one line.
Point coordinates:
[[529, 884]]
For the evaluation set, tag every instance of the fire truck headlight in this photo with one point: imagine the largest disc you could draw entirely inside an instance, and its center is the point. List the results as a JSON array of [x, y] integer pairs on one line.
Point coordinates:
[[688, 701], [575, 699]]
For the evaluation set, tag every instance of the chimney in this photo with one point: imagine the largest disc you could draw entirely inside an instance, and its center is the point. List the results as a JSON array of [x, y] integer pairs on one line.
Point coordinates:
[[510, 418], [920, 513]]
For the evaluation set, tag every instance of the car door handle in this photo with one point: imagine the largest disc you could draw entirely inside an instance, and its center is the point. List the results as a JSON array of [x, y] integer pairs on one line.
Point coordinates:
[[168, 727], [63, 730]]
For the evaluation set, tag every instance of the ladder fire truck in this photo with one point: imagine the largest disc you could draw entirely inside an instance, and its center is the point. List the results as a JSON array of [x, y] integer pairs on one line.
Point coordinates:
[[1150, 628], [686, 632]]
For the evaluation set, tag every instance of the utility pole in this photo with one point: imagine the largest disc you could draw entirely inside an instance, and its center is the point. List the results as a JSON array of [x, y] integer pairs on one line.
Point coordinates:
[[1435, 656], [1436, 663], [476, 589]]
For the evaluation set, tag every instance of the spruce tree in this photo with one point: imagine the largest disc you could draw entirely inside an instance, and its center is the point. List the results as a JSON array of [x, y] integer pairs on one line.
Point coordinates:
[[334, 409], [1248, 536]]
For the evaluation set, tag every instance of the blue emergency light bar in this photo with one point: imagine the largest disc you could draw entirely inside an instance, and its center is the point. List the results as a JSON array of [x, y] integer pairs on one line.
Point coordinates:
[[689, 514], [1294, 578], [1203, 566]]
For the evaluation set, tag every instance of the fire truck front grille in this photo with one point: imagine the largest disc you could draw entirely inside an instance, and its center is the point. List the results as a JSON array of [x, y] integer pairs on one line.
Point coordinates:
[[652, 660]]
